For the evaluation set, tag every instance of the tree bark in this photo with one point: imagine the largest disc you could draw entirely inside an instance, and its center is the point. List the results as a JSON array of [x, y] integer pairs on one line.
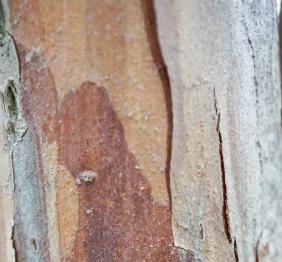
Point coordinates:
[[140, 131], [226, 173]]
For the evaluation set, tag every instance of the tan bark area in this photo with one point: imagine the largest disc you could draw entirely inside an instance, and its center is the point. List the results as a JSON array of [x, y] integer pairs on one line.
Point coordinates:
[[106, 43], [94, 98]]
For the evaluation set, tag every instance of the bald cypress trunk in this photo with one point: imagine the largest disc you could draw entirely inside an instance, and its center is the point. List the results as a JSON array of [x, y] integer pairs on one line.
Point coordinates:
[[140, 131]]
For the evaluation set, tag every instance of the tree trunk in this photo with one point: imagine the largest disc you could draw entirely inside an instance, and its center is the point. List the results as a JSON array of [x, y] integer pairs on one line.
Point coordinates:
[[226, 171], [140, 131]]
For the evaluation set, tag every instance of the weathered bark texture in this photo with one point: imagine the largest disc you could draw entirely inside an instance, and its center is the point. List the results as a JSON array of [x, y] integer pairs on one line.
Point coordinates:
[[90, 171], [226, 173], [140, 130]]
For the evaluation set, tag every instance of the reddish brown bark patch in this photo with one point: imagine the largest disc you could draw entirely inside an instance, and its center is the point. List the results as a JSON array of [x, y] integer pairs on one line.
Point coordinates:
[[117, 217]]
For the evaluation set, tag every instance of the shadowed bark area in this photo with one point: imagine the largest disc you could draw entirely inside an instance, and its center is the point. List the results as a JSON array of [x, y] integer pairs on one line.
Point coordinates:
[[2, 20], [151, 29]]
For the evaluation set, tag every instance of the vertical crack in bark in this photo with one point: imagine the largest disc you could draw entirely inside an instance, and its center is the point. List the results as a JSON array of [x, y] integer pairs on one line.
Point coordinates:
[[14, 243], [236, 251], [257, 251], [225, 211], [152, 34]]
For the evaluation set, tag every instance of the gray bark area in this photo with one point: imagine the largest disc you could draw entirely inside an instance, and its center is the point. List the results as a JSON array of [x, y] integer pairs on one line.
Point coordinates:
[[226, 174], [9, 83]]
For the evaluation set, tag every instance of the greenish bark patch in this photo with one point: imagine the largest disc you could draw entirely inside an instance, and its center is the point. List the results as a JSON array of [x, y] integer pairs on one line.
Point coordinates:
[[2, 22]]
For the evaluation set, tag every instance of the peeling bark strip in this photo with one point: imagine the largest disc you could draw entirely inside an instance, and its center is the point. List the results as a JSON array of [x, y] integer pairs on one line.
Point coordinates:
[[225, 212], [244, 71], [151, 29], [12, 129], [31, 230], [199, 197]]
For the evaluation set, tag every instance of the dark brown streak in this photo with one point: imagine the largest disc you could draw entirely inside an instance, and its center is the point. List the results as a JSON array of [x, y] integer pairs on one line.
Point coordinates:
[[236, 251], [225, 212], [257, 252], [14, 244], [152, 33]]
